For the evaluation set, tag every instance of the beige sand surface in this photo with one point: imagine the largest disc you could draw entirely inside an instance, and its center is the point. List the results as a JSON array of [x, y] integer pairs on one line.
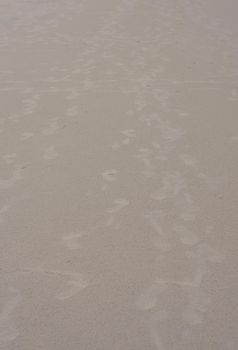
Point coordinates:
[[118, 174]]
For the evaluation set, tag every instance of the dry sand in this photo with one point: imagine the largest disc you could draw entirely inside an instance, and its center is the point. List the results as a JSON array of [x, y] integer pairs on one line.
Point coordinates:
[[118, 174]]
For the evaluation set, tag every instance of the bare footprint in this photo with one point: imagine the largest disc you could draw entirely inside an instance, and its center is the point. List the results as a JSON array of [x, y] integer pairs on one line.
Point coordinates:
[[109, 175], [148, 299], [193, 317], [73, 288], [161, 240], [129, 134], [50, 153], [119, 204], [52, 128], [72, 240], [8, 183], [3, 212], [72, 111], [26, 135], [14, 117], [72, 95], [186, 236], [110, 221], [205, 253], [116, 145], [8, 331], [9, 158]]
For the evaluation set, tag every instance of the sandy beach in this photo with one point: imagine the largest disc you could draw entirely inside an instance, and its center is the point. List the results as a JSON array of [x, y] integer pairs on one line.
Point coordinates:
[[118, 175]]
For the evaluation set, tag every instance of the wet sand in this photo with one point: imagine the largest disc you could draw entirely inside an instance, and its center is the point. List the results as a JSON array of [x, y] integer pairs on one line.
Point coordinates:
[[118, 175]]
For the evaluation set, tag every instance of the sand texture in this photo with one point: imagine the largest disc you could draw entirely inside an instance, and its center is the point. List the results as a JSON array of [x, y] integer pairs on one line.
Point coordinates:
[[118, 175]]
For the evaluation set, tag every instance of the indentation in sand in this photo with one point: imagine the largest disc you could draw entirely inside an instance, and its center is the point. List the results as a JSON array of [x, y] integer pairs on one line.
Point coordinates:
[[185, 235], [110, 175], [205, 253], [148, 299], [172, 185], [74, 285], [4, 209], [72, 240], [160, 241], [8, 183], [73, 288], [129, 135], [9, 158], [197, 306], [26, 135], [186, 207], [50, 153], [52, 127], [14, 117], [72, 111], [8, 331], [119, 204], [116, 145], [145, 155]]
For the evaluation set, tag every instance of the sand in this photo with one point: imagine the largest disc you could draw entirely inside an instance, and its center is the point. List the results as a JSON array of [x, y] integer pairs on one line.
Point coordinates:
[[118, 174]]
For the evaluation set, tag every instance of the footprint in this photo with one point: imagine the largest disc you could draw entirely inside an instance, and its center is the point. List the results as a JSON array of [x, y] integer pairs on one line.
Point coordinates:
[[155, 334], [73, 288], [88, 84], [110, 221], [8, 331], [50, 153], [148, 299], [3, 212], [72, 240], [162, 244], [72, 111], [28, 90], [145, 154], [130, 112], [29, 106], [160, 194], [198, 305], [126, 141], [8, 183], [188, 160], [26, 135], [116, 145], [52, 128], [193, 317], [14, 117], [186, 236], [129, 133], [9, 158], [73, 94], [185, 205], [183, 114], [234, 95], [120, 203], [205, 253], [161, 241], [77, 71], [109, 175]]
